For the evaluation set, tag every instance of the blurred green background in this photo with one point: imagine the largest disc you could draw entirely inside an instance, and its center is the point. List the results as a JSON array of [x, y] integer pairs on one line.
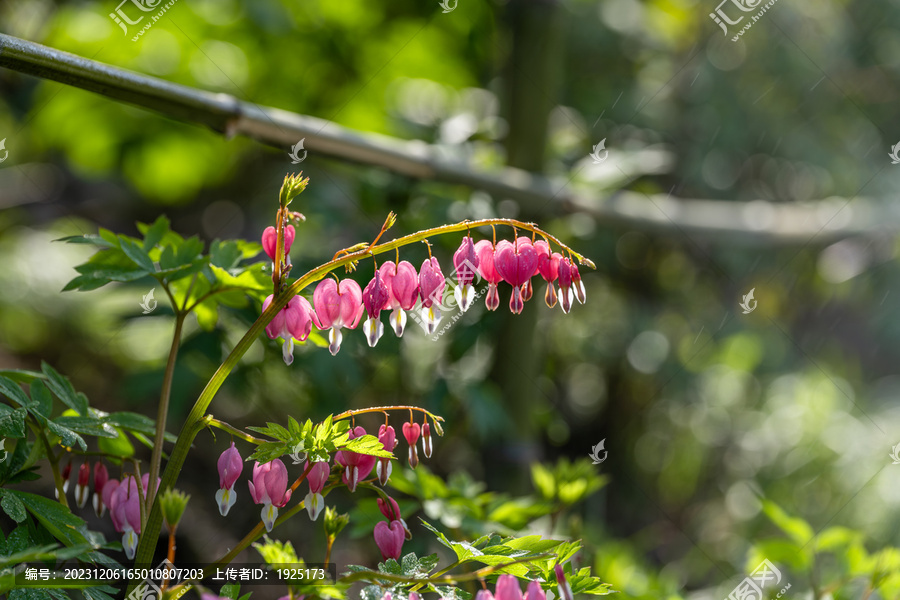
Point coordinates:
[[704, 410]]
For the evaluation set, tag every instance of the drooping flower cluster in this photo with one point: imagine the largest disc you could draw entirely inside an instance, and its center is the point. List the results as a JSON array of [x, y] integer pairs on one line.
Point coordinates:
[[508, 588], [124, 502], [121, 498], [396, 286]]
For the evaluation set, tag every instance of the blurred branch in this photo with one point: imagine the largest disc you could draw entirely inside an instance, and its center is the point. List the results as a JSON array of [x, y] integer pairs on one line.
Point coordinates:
[[757, 222]]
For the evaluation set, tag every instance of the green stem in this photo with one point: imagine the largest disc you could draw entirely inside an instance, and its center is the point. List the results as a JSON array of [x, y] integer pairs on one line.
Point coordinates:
[[235, 431], [163, 409], [361, 411], [186, 436], [54, 465]]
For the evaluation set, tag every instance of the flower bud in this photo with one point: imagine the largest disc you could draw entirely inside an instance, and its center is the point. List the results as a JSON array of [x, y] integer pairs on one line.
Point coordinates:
[[173, 503]]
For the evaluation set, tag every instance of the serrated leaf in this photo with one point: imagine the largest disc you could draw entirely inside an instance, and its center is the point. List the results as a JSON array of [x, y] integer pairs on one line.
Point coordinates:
[[269, 451], [136, 422], [67, 437], [88, 426], [11, 390], [61, 523], [62, 388], [367, 444], [89, 238], [13, 507], [155, 232], [135, 251], [21, 375], [12, 422]]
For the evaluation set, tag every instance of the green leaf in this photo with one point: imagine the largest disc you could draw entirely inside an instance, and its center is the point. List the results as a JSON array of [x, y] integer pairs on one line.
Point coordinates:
[[21, 375], [224, 254], [120, 446], [89, 238], [61, 523], [136, 422], [367, 444], [273, 430], [269, 451], [66, 436], [12, 422], [230, 590], [63, 389], [11, 390], [41, 398], [88, 426], [106, 266], [154, 234], [13, 507], [798, 529], [135, 251]]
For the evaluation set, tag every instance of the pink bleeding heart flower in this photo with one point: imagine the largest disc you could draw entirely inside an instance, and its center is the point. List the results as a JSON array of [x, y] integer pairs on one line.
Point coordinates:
[[508, 588], [230, 466], [527, 289], [548, 267], [388, 438], [431, 290], [485, 252], [391, 511], [566, 294], [375, 297], [403, 284], [317, 478], [465, 262], [337, 306], [411, 433], [516, 264], [484, 595], [125, 510], [269, 488], [292, 321], [534, 591], [577, 285], [101, 477], [565, 590], [356, 466], [426, 440], [82, 483], [66, 473], [270, 240], [389, 537]]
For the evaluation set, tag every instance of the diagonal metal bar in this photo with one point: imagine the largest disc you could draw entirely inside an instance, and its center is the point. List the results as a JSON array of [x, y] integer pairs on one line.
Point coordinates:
[[756, 223]]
